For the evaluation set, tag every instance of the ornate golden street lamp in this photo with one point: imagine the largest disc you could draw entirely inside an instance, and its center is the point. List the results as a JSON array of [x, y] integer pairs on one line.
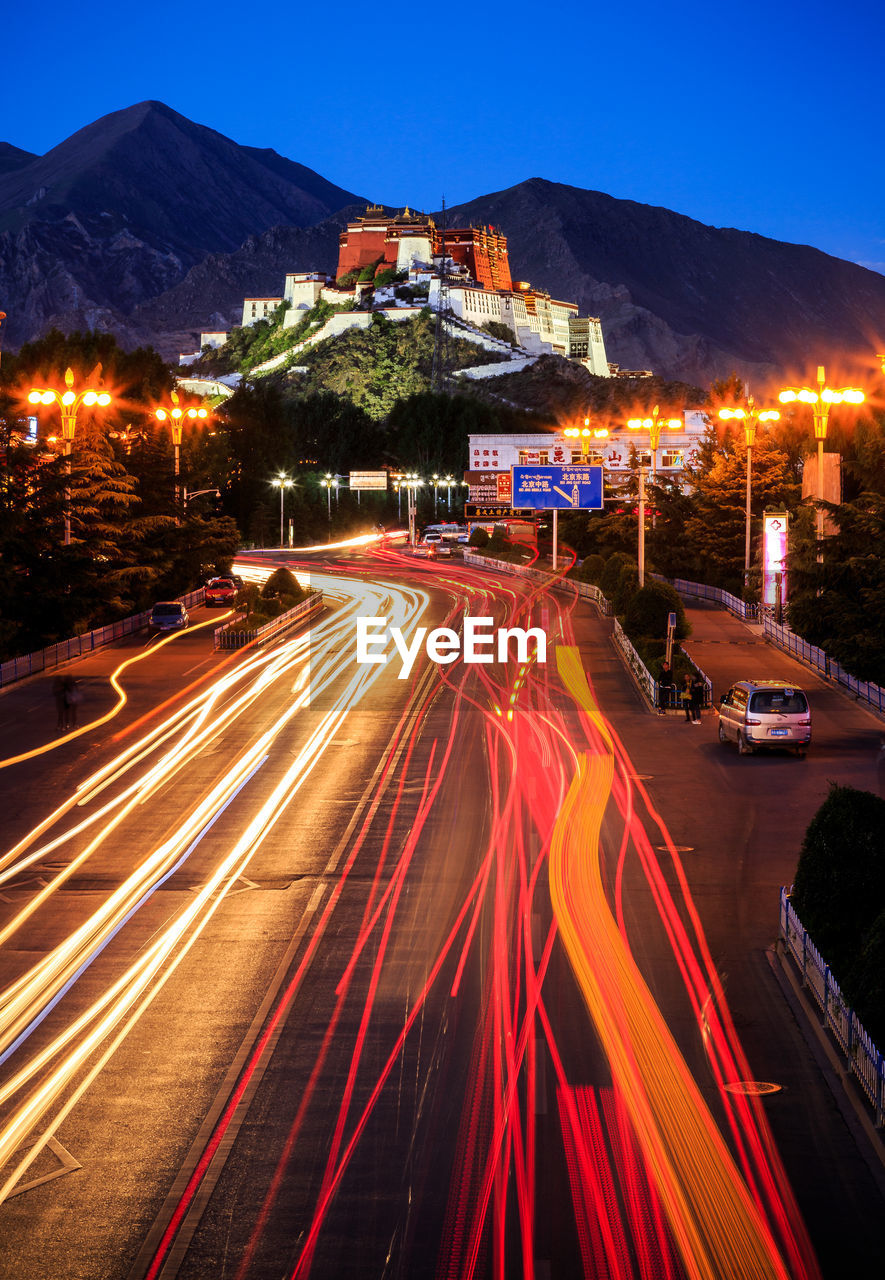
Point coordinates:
[[654, 426], [69, 402], [820, 400], [585, 434], [175, 415], [750, 417]]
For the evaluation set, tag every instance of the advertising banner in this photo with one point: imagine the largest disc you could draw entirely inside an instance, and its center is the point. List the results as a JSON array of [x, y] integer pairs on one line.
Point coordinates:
[[774, 555], [493, 511], [563, 488], [364, 480]]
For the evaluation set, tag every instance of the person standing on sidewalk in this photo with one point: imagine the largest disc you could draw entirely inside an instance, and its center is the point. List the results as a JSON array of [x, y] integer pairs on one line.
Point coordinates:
[[685, 692], [697, 693], [666, 685]]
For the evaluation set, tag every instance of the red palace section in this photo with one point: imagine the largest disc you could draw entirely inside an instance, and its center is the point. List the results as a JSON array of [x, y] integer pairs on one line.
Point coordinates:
[[373, 240]]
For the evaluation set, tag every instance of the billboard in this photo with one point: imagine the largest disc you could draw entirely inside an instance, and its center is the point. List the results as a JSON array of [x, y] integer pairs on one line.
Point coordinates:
[[368, 480], [574, 488], [774, 557], [492, 511]]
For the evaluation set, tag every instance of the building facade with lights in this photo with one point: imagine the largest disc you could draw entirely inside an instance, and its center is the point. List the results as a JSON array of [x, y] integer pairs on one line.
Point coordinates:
[[491, 457]]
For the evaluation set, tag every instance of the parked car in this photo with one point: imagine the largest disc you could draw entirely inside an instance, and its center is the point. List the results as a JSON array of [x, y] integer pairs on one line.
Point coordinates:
[[765, 713], [168, 615], [221, 591]]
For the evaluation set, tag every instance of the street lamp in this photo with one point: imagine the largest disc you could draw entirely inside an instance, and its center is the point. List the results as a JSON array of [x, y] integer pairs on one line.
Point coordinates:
[[435, 490], [69, 402], [448, 482], [412, 481], [326, 482], [750, 416], [282, 482], [585, 434], [820, 401], [175, 416], [654, 426]]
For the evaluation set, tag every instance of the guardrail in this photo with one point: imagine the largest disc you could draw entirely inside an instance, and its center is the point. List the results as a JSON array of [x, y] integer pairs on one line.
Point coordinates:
[[700, 591], [862, 1055], [784, 638], [588, 591], [54, 655], [227, 638], [584, 590]]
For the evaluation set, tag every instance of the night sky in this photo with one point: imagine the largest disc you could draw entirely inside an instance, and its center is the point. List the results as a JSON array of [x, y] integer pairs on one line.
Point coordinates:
[[766, 117]]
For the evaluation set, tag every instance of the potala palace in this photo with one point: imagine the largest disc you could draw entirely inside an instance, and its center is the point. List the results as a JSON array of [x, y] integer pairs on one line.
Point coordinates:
[[399, 265]]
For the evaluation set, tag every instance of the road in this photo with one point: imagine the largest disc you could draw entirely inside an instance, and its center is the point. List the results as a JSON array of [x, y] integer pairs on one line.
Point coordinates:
[[316, 971]]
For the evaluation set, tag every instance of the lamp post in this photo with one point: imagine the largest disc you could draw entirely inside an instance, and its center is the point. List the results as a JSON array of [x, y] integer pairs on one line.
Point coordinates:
[[412, 482], [585, 434], [750, 416], [282, 482], [435, 490], [69, 402], [327, 482], [175, 415], [448, 482], [654, 425], [820, 400]]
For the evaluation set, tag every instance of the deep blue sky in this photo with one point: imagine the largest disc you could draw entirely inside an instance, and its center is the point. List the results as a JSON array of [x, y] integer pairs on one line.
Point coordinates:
[[766, 117]]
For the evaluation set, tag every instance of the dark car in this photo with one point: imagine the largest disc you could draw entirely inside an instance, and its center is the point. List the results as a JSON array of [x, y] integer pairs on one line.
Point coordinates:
[[168, 615], [221, 591]]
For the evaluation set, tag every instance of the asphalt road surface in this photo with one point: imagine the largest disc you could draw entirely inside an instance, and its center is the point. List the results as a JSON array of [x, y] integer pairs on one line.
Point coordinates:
[[307, 970]]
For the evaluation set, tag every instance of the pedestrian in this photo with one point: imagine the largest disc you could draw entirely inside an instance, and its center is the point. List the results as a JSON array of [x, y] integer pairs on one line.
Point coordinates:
[[73, 698], [686, 699], [697, 694], [666, 685], [58, 692]]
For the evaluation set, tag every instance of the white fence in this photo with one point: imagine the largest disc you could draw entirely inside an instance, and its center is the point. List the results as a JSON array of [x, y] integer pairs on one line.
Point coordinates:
[[65, 650], [227, 638], [863, 1058], [700, 591], [784, 638], [587, 591]]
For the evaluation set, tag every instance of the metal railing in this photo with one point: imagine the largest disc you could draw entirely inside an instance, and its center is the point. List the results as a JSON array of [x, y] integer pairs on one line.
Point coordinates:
[[784, 638], [584, 590], [700, 591], [588, 591], [227, 638], [55, 654], [862, 1055]]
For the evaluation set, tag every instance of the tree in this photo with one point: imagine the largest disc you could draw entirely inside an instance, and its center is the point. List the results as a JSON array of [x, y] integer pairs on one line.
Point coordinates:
[[839, 604], [715, 530], [840, 880]]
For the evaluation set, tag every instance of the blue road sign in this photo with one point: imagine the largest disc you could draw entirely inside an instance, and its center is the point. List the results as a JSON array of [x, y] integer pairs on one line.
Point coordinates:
[[567, 488]]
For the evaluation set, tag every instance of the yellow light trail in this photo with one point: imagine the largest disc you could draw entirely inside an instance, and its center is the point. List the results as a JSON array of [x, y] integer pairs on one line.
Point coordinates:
[[719, 1231], [118, 689]]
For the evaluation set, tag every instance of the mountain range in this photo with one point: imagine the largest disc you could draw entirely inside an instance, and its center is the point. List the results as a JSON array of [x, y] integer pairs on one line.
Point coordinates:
[[154, 227]]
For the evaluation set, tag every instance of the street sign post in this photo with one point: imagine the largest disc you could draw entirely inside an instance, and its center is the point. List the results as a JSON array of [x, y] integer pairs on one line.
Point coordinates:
[[557, 488], [577, 488]]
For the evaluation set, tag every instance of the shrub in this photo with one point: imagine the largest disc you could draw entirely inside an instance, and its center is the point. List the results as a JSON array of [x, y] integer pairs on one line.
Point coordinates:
[[591, 569], [647, 611], [281, 584], [387, 276], [479, 538], [628, 585], [840, 881], [611, 572], [864, 984]]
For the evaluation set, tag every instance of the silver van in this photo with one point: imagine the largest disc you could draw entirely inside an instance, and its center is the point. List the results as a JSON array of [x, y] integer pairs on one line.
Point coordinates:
[[765, 713]]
